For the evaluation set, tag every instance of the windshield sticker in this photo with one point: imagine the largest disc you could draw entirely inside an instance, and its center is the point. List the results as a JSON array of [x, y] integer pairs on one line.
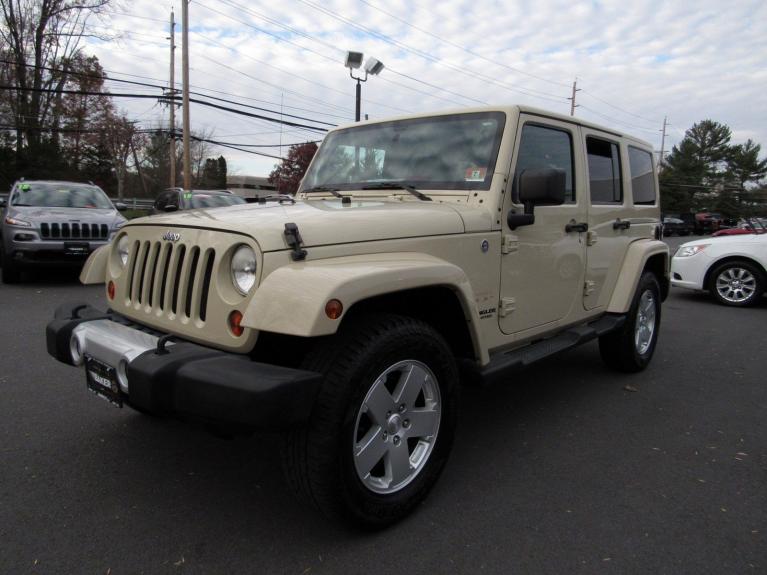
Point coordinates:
[[475, 174], [25, 187], [188, 196]]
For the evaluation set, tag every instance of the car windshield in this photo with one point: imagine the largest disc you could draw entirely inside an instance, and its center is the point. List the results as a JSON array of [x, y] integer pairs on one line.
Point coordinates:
[[214, 200], [60, 195], [454, 152]]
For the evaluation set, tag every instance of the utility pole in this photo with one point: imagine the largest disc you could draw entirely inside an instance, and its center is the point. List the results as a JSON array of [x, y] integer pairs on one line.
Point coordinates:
[[185, 87], [662, 143], [573, 105], [172, 129]]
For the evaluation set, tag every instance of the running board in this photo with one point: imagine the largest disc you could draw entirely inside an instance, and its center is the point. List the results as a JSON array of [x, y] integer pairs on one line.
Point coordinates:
[[504, 363]]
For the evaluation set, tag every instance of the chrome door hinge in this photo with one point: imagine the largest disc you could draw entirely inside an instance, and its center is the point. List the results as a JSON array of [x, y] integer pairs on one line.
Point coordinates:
[[591, 238], [510, 244], [508, 305], [589, 287]]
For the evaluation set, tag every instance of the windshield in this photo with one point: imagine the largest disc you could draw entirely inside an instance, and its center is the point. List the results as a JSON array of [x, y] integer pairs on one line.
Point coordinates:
[[456, 152], [214, 200], [60, 195]]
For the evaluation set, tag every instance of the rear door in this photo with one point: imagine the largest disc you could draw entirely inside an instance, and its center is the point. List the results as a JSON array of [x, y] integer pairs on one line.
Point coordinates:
[[608, 210]]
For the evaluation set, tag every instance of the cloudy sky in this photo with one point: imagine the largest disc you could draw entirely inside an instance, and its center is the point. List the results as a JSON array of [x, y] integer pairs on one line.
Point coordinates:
[[635, 62]]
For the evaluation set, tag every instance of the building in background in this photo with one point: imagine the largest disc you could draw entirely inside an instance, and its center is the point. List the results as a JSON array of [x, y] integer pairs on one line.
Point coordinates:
[[250, 186]]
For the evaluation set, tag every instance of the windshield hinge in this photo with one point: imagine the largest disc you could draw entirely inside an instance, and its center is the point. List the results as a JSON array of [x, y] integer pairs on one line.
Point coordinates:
[[293, 237], [510, 244], [591, 238]]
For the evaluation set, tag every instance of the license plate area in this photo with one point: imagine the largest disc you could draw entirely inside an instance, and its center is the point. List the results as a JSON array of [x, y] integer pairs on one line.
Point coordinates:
[[76, 248], [101, 379]]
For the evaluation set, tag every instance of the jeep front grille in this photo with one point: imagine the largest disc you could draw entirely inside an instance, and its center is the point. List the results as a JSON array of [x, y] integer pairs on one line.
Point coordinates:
[[164, 277], [74, 230]]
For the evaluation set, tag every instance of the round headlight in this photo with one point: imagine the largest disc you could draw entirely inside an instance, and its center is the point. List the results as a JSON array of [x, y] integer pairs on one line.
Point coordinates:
[[244, 269], [122, 250]]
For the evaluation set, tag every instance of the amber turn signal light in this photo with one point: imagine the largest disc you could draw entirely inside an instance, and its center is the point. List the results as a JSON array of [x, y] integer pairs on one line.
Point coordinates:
[[111, 290], [235, 318], [334, 309]]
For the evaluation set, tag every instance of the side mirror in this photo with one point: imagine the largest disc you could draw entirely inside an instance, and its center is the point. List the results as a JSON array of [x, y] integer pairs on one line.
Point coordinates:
[[120, 207], [170, 208], [3, 201], [543, 187]]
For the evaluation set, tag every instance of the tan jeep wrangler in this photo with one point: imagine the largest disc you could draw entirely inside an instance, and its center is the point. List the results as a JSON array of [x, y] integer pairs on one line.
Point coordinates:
[[419, 252]]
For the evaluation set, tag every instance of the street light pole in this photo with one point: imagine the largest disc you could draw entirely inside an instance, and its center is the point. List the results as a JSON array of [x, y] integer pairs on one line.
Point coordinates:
[[373, 67]]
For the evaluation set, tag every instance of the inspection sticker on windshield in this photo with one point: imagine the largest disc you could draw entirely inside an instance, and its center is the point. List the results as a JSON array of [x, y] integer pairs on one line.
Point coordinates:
[[476, 174]]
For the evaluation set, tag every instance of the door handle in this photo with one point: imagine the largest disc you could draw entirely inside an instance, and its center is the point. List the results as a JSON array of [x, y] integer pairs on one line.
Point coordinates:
[[576, 227], [621, 224]]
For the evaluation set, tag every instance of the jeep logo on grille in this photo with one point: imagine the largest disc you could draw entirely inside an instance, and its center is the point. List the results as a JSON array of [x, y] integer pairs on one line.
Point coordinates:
[[171, 236]]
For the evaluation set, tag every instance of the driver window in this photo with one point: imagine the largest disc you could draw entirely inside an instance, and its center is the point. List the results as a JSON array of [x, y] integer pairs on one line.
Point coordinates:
[[545, 147]]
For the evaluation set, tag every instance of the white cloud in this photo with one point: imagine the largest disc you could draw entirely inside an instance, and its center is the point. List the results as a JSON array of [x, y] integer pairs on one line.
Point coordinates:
[[636, 62]]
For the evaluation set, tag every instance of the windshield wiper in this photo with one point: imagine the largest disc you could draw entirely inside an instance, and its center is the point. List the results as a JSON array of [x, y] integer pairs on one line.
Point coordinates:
[[398, 186], [333, 191]]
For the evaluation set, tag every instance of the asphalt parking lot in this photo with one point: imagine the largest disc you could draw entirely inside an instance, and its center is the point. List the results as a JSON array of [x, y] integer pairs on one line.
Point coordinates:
[[569, 468]]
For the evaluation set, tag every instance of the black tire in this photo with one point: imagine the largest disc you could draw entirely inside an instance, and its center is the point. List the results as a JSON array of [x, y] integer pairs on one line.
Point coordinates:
[[751, 277], [620, 349], [318, 459], [11, 272]]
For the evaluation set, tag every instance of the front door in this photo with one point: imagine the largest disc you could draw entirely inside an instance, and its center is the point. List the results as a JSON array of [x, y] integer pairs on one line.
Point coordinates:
[[542, 268]]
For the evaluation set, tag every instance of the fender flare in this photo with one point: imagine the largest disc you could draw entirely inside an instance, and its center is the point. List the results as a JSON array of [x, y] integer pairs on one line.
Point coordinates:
[[291, 300], [634, 264], [95, 269]]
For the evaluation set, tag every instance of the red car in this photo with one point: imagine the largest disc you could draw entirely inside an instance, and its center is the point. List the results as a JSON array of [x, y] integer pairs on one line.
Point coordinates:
[[749, 226]]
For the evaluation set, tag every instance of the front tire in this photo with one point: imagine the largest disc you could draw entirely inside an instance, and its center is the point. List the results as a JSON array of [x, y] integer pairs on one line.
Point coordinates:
[[737, 283], [383, 422], [11, 272], [630, 348]]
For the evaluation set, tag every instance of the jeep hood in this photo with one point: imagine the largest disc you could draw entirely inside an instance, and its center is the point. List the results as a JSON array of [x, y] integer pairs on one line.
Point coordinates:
[[321, 222]]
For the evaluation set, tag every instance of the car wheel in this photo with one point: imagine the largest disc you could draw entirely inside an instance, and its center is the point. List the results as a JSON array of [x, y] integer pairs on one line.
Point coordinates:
[[382, 425], [631, 347], [11, 272], [737, 283]]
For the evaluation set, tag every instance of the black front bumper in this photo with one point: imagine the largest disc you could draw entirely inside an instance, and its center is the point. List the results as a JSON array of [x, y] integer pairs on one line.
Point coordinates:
[[191, 381]]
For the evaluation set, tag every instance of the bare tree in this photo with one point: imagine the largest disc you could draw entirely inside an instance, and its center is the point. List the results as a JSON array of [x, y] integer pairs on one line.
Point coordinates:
[[41, 37], [118, 134]]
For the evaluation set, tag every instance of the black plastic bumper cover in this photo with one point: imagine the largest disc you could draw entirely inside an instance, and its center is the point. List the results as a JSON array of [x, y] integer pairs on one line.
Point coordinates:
[[197, 382]]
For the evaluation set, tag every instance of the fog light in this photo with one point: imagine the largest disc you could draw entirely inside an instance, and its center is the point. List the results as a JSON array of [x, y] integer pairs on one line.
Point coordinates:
[[75, 350], [111, 290], [235, 318], [23, 237], [334, 309]]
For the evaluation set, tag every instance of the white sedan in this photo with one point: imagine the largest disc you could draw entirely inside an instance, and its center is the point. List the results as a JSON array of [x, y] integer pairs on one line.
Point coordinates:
[[731, 268]]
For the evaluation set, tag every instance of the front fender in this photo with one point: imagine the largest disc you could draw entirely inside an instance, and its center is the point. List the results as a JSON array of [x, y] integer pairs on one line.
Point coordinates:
[[95, 268], [633, 265], [291, 300]]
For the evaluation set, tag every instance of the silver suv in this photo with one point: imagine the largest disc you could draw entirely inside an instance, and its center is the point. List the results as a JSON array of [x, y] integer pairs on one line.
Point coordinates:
[[50, 223]]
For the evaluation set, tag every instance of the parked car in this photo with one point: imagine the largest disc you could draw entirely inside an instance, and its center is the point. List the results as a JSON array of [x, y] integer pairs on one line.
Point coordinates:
[[707, 222], [52, 223], [680, 227], [748, 226], [174, 199], [733, 269], [461, 245]]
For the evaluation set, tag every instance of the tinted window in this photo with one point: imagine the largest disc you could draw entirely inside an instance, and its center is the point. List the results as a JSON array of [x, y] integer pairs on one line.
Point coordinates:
[[163, 199], [604, 171], [546, 148], [642, 176], [60, 195]]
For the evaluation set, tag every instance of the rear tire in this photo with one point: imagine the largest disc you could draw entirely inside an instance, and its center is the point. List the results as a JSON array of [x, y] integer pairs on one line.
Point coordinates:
[[382, 424], [630, 348]]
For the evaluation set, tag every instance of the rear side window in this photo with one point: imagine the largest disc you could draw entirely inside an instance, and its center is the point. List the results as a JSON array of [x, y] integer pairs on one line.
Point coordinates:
[[545, 147], [604, 171], [642, 176]]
